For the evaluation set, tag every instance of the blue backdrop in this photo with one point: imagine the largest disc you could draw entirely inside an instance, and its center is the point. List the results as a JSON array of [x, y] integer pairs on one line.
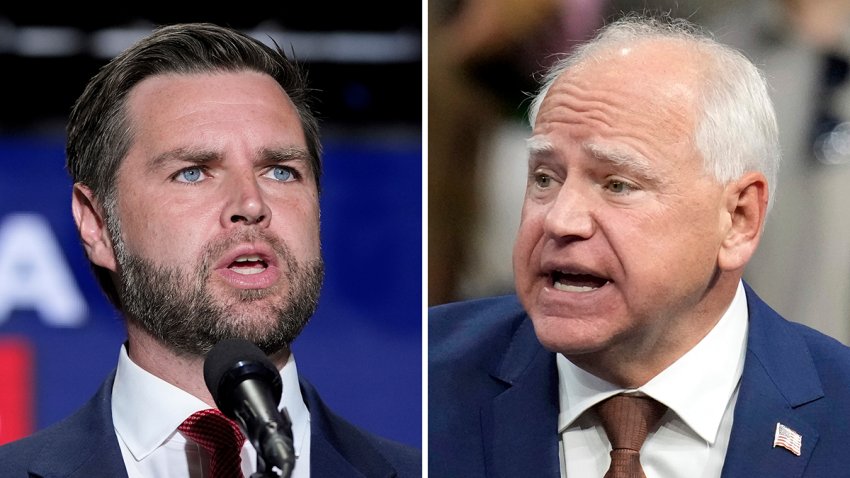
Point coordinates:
[[362, 349]]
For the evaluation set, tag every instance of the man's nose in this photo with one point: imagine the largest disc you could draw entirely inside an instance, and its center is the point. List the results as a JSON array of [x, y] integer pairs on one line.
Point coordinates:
[[246, 203], [570, 215]]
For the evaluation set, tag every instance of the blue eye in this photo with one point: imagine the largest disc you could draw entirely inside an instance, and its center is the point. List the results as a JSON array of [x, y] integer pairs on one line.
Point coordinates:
[[190, 175], [281, 173]]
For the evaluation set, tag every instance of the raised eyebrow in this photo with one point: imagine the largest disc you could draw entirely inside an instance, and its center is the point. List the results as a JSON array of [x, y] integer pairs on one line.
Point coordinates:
[[283, 155], [539, 146], [632, 162], [186, 155], [540, 150]]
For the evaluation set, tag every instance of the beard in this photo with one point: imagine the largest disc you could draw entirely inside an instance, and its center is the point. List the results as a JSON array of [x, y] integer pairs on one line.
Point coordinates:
[[178, 308]]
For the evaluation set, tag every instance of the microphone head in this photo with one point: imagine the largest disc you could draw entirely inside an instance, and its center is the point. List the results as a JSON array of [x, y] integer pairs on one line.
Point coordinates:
[[231, 362]]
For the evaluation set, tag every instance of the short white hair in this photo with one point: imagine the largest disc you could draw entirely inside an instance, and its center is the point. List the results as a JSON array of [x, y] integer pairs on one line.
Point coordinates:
[[737, 132]]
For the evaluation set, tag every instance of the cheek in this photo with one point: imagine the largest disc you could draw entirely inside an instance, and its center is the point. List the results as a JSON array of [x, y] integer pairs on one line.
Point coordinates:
[[167, 233], [673, 246], [528, 239], [297, 222]]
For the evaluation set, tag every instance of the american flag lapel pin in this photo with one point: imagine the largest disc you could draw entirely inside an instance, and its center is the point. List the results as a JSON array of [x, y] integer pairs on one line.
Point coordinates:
[[788, 439]]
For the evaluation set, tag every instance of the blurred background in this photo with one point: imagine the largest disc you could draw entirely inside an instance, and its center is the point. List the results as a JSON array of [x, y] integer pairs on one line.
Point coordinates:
[[484, 59], [59, 337]]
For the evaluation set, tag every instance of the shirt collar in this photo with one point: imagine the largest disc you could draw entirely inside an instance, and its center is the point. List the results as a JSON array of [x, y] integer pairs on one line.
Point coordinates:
[[147, 410], [697, 387]]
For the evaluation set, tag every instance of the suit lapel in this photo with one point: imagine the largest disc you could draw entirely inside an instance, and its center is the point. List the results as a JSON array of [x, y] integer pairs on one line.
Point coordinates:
[[325, 460], [337, 448], [86, 444], [779, 379], [519, 426]]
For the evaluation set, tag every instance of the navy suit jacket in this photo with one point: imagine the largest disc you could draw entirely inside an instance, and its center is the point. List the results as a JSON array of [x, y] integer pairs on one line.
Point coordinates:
[[84, 445], [493, 396]]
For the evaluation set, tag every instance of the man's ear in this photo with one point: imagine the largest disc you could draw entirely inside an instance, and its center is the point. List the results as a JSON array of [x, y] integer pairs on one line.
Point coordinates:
[[91, 222], [745, 211]]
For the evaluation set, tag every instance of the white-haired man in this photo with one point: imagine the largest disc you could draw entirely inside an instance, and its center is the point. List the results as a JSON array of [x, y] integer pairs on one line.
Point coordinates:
[[633, 347]]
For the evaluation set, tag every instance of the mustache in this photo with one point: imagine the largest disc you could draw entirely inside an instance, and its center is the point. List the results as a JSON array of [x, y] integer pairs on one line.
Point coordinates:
[[217, 247]]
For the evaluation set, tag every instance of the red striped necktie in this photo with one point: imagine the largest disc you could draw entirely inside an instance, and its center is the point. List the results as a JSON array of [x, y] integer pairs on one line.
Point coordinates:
[[220, 437]]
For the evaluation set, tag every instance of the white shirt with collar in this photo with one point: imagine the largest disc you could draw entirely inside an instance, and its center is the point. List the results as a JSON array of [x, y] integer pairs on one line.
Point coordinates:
[[147, 410], [700, 389]]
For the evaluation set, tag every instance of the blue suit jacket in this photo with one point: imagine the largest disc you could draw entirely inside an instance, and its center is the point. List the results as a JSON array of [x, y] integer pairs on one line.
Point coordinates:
[[84, 445], [493, 396]]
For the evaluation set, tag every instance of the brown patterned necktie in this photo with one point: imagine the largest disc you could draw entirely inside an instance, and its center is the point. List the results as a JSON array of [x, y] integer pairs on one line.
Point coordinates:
[[627, 420], [220, 437]]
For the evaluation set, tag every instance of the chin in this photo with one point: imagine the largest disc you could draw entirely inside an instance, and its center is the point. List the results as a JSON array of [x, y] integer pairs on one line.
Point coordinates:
[[569, 336]]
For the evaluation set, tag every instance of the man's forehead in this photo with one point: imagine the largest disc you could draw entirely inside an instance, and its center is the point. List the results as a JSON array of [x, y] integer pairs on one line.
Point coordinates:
[[182, 108], [222, 87], [621, 91], [670, 67]]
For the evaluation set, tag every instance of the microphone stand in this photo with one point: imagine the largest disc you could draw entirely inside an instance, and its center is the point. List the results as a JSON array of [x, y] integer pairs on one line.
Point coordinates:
[[275, 472], [247, 388]]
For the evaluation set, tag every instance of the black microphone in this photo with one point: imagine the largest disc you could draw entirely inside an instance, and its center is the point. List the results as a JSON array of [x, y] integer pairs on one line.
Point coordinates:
[[246, 387]]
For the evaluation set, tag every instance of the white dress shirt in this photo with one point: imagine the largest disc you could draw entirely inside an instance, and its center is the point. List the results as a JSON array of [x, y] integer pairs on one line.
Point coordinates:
[[147, 410], [700, 389]]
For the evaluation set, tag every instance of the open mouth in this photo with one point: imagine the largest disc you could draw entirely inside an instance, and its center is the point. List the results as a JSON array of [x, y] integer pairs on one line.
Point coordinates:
[[248, 265], [569, 282]]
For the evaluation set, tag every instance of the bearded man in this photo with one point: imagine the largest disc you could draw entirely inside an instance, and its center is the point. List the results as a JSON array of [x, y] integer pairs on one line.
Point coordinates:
[[196, 164]]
